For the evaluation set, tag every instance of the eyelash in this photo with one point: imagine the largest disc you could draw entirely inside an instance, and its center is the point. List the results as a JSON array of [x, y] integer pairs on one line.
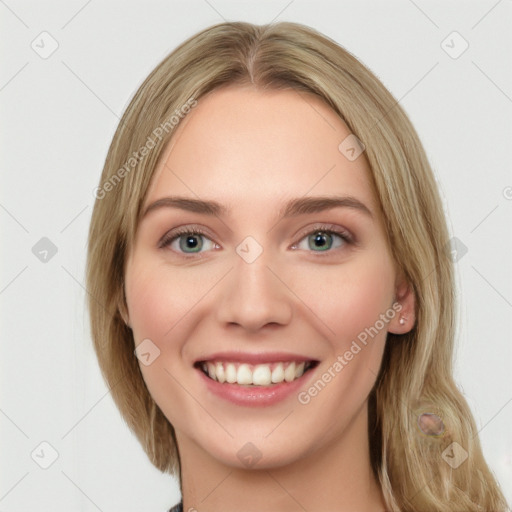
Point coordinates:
[[328, 229]]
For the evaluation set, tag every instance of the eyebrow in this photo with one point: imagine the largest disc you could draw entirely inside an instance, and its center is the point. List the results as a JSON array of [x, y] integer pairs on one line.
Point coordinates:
[[293, 207]]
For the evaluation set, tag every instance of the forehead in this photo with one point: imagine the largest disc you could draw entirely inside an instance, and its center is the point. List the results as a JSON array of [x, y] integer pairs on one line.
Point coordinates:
[[241, 145]]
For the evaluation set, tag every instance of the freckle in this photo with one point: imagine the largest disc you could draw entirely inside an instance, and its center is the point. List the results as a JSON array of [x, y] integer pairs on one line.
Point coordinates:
[[431, 424]]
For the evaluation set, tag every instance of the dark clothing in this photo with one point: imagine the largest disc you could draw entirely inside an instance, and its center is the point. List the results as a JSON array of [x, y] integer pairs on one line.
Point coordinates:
[[177, 508]]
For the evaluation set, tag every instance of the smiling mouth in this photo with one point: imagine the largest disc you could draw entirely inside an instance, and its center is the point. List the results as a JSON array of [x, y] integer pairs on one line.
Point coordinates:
[[226, 372]]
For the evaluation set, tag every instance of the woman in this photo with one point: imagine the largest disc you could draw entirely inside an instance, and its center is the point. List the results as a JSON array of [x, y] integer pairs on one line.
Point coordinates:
[[271, 287]]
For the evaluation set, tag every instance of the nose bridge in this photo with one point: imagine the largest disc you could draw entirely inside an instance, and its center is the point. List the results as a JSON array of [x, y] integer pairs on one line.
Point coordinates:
[[254, 296]]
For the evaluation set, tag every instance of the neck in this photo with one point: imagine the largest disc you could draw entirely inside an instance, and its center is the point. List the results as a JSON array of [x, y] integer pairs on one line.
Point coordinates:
[[336, 476]]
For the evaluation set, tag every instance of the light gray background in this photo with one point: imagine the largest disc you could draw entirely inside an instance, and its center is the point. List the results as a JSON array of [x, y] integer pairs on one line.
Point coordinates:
[[58, 116]]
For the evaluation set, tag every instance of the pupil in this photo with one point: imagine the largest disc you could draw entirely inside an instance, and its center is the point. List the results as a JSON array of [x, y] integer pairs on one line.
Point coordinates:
[[320, 238], [192, 242]]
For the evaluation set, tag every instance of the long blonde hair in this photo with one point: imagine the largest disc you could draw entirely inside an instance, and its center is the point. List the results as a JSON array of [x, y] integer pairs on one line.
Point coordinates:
[[416, 373]]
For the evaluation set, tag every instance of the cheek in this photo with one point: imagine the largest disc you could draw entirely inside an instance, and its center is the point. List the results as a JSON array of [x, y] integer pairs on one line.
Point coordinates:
[[158, 299], [348, 298], [158, 303], [358, 302], [163, 305], [350, 303], [149, 305]]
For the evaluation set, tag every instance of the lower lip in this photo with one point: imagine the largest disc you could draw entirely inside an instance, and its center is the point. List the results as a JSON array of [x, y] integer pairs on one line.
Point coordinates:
[[255, 396]]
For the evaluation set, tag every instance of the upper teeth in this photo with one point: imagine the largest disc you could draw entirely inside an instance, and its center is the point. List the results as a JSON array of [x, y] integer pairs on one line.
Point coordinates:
[[258, 375]]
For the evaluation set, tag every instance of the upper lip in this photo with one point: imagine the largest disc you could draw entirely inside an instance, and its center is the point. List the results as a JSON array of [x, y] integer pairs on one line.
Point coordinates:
[[258, 358]]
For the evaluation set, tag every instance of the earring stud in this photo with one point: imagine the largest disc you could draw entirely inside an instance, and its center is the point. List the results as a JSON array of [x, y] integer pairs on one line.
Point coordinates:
[[402, 320]]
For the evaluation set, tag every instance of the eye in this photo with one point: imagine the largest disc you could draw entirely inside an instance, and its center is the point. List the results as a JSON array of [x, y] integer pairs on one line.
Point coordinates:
[[192, 243], [323, 238], [190, 240]]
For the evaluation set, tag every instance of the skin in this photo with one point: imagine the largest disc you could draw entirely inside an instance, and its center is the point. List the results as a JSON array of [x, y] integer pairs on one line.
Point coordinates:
[[251, 151]]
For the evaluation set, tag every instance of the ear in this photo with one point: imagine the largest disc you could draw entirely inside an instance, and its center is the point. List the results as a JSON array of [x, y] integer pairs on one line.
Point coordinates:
[[123, 308], [404, 296]]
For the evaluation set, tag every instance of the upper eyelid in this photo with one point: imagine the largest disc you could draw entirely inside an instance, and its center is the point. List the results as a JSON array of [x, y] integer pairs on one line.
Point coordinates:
[[326, 226]]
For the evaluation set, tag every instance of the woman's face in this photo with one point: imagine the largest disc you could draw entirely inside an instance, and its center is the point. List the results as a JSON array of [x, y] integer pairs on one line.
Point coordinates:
[[261, 287]]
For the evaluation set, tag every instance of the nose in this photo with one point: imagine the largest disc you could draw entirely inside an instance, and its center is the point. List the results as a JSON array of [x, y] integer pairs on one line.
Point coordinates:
[[254, 296]]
